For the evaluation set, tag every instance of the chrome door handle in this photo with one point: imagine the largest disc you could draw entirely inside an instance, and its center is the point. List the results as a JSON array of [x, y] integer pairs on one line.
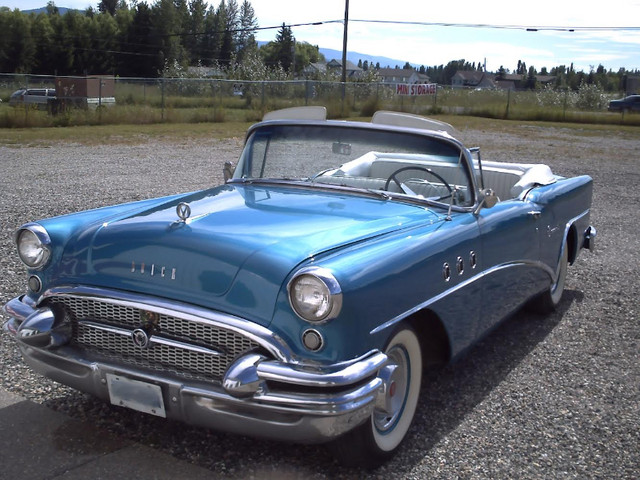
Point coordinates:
[[535, 213]]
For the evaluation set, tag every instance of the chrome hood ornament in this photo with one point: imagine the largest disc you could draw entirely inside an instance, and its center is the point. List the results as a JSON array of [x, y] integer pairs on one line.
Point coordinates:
[[183, 210]]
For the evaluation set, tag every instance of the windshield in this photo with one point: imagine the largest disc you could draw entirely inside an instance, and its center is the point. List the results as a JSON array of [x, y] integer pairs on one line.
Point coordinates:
[[419, 166]]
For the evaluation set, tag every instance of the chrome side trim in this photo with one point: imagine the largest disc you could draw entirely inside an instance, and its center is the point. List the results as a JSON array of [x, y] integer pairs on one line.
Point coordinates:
[[261, 335], [461, 285], [152, 338]]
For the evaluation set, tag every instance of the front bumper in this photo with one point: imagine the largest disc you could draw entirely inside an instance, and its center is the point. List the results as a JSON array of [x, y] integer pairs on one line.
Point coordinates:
[[258, 396]]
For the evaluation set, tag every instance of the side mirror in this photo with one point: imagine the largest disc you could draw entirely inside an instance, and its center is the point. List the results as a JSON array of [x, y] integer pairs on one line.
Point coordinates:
[[227, 171], [488, 200]]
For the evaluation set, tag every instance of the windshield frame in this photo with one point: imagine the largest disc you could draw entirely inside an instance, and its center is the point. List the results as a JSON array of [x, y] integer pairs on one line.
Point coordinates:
[[355, 128]]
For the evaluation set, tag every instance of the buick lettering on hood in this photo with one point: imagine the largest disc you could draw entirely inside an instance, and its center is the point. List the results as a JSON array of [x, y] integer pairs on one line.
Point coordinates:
[[303, 298]]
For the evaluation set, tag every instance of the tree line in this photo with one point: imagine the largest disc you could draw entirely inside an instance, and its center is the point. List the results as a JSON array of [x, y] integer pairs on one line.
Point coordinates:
[[142, 40]]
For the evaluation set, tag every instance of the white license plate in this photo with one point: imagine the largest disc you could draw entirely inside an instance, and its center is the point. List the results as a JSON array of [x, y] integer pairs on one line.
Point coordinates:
[[140, 396]]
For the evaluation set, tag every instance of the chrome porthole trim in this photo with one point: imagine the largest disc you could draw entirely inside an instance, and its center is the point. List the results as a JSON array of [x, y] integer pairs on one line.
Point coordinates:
[[473, 260], [446, 272], [460, 265]]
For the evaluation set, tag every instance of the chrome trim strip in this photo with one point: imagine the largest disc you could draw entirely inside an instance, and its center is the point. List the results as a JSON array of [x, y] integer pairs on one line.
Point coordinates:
[[459, 286], [271, 342], [331, 404], [152, 338], [356, 371]]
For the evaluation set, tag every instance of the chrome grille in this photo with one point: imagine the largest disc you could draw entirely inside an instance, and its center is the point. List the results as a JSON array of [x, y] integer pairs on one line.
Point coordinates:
[[180, 361]]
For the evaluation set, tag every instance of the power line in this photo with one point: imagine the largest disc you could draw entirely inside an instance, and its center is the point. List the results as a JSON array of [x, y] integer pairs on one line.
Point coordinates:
[[528, 28]]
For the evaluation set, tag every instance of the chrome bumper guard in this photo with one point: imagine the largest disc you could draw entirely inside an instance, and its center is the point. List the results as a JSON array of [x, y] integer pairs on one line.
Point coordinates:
[[590, 238], [258, 397]]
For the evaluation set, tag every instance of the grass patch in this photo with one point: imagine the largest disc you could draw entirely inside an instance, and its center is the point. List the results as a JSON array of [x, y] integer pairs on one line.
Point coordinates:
[[180, 124], [121, 134]]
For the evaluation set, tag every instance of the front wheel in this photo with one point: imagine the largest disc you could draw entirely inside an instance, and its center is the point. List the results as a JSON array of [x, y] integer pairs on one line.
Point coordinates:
[[377, 439]]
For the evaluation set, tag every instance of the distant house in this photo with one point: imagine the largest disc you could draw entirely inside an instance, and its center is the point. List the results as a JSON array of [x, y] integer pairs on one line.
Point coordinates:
[[472, 79], [353, 71], [518, 81], [482, 80], [632, 85], [314, 69], [401, 75]]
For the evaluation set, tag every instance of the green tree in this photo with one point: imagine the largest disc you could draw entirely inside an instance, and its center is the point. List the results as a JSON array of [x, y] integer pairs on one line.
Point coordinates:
[[42, 33], [108, 6], [140, 57], [167, 32], [531, 81], [103, 29], [17, 48], [305, 55], [211, 42], [194, 31], [245, 37], [281, 51], [60, 52]]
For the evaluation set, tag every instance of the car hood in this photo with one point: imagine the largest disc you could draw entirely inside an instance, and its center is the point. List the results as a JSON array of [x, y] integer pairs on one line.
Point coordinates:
[[236, 249]]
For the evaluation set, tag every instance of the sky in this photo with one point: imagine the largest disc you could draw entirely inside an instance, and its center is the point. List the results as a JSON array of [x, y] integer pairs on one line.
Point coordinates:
[[615, 44]]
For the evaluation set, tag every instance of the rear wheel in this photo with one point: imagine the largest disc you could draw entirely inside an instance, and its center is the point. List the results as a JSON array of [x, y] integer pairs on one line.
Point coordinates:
[[548, 301], [377, 439]]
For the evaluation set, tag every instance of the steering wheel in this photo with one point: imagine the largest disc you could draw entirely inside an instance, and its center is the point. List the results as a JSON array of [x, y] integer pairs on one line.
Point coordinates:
[[405, 189]]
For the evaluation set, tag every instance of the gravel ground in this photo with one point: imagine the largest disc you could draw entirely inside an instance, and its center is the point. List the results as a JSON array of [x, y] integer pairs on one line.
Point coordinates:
[[553, 396]]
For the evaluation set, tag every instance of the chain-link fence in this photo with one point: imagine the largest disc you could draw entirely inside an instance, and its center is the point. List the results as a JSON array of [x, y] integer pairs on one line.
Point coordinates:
[[150, 100]]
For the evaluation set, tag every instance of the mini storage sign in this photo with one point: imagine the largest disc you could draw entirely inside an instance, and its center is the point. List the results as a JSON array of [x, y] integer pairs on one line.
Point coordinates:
[[416, 89]]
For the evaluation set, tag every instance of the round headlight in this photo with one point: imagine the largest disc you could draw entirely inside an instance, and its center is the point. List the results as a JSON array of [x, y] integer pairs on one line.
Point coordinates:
[[33, 247], [315, 295]]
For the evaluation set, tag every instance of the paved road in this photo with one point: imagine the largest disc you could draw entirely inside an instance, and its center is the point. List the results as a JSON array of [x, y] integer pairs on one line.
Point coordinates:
[[39, 443]]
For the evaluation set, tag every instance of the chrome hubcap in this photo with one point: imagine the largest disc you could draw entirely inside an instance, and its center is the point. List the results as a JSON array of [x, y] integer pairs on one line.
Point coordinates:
[[391, 399]]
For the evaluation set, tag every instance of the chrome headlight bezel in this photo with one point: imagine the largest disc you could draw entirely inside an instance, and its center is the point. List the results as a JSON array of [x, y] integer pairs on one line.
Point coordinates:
[[34, 246], [326, 292]]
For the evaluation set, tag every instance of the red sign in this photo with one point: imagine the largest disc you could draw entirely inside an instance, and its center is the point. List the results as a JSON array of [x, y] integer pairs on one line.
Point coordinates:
[[416, 89]]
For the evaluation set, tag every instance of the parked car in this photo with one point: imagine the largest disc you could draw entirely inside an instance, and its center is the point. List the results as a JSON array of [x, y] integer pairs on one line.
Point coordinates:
[[40, 97], [303, 298], [627, 104]]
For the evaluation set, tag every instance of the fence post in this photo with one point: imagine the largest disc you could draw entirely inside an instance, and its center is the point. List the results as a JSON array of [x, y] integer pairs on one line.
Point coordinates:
[[435, 99], [306, 92], [508, 102], [262, 95], [162, 99]]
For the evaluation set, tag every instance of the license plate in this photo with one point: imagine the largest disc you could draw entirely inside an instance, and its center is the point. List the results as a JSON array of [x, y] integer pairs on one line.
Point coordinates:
[[140, 396]]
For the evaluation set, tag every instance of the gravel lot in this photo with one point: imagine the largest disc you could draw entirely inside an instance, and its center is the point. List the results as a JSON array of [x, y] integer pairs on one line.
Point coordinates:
[[553, 396]]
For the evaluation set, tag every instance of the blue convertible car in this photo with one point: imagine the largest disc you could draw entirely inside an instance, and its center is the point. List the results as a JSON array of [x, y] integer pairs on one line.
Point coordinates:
[[302, 299]]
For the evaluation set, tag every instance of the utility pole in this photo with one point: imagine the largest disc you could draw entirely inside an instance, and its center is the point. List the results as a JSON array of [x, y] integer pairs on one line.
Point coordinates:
[[344, 42]]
